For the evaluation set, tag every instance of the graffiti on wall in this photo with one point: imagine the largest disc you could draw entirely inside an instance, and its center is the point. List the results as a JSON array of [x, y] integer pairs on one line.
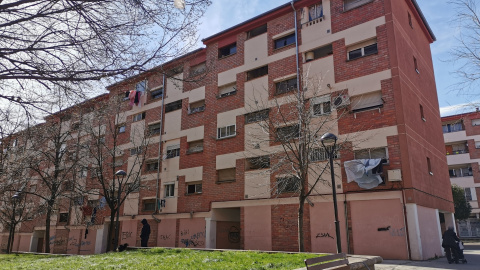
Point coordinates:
[[165, 237], [195, 240], [234, 235], [397, 232], [324, 235], [57, 242], [126, 235]]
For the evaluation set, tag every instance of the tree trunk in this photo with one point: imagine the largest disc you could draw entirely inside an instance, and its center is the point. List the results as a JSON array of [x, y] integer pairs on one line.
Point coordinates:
[[111, 229], [301, 245], [47, 228]]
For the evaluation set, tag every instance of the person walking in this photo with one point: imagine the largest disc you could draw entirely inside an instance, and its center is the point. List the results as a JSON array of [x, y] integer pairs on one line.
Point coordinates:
[[450, 245], [145, 233]]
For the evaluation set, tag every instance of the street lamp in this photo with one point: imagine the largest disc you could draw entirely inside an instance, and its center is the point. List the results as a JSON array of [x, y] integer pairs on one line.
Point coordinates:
[[119, 173], [15, 199], [331, 139]]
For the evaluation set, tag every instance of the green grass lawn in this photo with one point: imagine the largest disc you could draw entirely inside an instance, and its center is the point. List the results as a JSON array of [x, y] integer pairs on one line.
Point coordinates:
[[159, 258]]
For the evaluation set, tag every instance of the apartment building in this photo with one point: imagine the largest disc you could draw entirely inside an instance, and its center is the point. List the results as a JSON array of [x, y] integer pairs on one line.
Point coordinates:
[[462, 145], [366, 64]]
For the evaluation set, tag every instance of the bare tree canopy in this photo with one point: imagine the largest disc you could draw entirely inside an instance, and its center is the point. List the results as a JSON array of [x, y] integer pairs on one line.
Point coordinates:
[[65, 44], [467, 51]]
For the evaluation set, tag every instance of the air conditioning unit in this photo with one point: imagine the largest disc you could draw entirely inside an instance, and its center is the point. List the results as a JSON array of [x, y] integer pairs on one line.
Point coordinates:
[[341, 101]]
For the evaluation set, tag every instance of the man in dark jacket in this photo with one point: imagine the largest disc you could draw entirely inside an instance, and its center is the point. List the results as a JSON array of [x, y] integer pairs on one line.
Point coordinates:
[[450, 245], [145, 233]]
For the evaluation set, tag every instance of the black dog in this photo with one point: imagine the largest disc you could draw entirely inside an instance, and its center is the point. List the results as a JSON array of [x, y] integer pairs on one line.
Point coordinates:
[[122, 247]]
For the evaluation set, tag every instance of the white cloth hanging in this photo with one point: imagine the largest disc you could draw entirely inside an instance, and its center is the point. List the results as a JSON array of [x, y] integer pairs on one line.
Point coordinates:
[[364, 171]]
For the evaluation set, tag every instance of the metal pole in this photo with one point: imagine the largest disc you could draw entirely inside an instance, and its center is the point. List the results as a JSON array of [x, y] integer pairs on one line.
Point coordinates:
[[12, 228], [334, 193], [117, 223]]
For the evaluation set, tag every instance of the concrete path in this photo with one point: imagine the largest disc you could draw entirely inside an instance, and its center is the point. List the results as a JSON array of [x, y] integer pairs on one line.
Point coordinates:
[[472, 254]]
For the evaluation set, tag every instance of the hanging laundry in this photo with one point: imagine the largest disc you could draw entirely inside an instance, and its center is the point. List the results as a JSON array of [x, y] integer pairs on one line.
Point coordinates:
[[137, 97], [94, 214], [366, 172], [127, 94], [132, 96]]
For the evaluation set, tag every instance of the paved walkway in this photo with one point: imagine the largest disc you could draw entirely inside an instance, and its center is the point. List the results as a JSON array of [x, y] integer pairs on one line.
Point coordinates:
[[472, 254]]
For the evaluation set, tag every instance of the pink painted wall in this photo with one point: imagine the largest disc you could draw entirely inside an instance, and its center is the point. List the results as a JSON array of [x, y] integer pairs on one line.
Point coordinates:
[[129, 233], [322, 226], [166, 233], [192, 233], [24, 242], [16, 242], [78, 244], [258, 228], [431, 243], [368, 217]]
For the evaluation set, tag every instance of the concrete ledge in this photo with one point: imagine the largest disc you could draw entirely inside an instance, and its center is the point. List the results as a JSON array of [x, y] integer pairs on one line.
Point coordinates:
[[37, 253], [360, 262]]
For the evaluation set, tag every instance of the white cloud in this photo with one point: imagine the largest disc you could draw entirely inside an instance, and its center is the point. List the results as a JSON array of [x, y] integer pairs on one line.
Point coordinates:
[[459, 108]]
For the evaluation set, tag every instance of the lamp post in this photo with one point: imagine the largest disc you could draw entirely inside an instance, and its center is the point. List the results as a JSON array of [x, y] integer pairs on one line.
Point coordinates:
[[330, 138], [15, 198], [119, 173]]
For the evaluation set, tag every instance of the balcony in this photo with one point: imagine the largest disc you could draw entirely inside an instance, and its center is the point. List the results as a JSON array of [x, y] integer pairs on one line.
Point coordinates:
[[460, 158], [456, 136]]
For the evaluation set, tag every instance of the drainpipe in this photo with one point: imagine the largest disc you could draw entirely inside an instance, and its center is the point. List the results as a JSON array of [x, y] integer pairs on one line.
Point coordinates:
[[296, 47], [406, 224], [157, 190]]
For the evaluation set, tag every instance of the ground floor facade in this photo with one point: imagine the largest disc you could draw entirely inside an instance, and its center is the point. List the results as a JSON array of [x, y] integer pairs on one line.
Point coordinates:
[[377, 223]]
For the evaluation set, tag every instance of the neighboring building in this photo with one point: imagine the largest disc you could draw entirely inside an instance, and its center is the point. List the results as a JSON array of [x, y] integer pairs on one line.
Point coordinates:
[[373, 57], [462, 145]]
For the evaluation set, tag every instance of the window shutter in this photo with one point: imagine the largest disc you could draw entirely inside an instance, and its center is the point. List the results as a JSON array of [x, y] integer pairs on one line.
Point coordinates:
[[367, 100]]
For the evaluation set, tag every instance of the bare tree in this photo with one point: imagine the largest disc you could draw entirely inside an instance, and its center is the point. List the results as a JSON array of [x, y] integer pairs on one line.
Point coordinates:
[[108, 154], [67, 44], [290, 125], [467, 51]]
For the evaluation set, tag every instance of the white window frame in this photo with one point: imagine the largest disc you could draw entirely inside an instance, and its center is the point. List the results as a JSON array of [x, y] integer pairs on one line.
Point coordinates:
[[169, 190], [139, 117], [173, 149], [321, 100], [370, 152], [141, 86], [362, 47], [228, 131], [317, 12], [227, 90], [197, 185]]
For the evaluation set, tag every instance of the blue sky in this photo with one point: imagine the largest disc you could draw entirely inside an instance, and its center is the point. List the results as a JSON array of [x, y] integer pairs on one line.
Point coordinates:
[[223, 14]]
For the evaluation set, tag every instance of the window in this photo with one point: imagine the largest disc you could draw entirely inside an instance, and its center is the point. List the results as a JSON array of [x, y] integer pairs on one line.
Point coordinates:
[[371, 153], [429, 166], [63, 218], [82, 173], [421, 114], [415, 64], [141, 86], [227, 90], [124, 96], [362, 49], [121, 128], [226, 175], [257, 31], [173, 151], [75, 126], [284, 41], [321, 105], [136, 150], [256, 163], [319, 53], [169, 190], [225, 132], [152, 166], [149, 205], [198, 69], [157, 93], [351, 4], [256, 73], [68, 186], [460, 172], [154, 129], [175, 71], [410, 20], [319, 154], [477, 145], [93, 203], [285, 86], [468, 194], [287, 184], [367, 101], [95, 172], [139, 117], [475, 122], [195, 147], [227, 50], [315, 12], [78, 200], [452, 127], [173, 106], [256, 116], [193, 188], [287, 133], [195, 107]]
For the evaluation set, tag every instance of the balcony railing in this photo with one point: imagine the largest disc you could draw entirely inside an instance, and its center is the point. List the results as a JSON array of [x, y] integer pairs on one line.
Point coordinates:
[[458, 152]]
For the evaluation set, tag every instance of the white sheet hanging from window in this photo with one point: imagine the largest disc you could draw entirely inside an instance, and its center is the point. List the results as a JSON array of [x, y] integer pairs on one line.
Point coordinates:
[[366, 172]]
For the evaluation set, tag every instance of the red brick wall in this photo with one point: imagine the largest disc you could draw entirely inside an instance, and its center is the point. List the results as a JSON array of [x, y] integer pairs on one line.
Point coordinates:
[[285, 227], [342, 20]]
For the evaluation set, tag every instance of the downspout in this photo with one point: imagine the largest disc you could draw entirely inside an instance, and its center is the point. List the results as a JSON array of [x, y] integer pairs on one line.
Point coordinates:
[[346, 222], [406, 224], [296, 47], [157, 190]]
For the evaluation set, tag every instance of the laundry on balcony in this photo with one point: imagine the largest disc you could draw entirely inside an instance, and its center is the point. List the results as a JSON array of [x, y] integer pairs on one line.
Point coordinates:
[[366, 172]]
